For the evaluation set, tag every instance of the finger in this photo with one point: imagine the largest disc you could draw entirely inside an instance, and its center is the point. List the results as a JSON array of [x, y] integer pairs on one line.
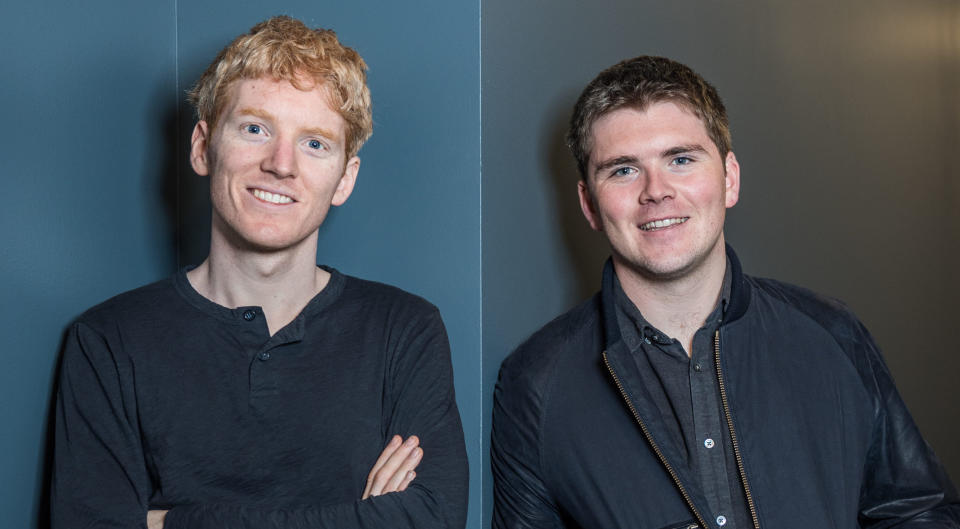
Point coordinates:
[[406, 481], [405, 468], [385, 473], [388, 450], [155, 519]]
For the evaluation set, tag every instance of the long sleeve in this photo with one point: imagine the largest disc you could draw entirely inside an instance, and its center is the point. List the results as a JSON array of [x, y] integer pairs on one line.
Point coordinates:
[[520, 498], [418, 399], [904, 484], [99, 475]]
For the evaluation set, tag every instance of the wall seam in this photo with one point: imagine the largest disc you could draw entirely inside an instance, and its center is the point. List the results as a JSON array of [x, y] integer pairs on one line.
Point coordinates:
[[480, 418]]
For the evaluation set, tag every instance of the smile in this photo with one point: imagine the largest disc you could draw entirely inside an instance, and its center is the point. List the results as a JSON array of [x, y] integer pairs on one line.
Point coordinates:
[[663, 223], [273, 198]]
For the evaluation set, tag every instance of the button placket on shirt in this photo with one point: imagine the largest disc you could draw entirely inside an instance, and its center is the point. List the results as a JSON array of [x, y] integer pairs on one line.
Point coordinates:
[[707, 423], [263, 368]]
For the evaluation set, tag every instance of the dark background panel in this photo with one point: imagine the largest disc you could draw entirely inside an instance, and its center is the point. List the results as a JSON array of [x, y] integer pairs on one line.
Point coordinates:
[[845, 122]]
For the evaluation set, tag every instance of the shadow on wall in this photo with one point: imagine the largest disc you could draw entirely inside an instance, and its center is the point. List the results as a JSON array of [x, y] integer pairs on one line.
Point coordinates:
[[586, 248], [161, 184], [193, 195], [42, 504], [167, 176]]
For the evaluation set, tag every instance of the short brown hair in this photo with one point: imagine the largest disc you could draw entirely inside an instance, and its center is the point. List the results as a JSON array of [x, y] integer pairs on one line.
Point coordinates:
[[637, 83], [284, 48]]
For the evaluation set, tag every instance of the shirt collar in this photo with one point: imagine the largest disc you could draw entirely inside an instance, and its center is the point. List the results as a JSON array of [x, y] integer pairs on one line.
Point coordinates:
[[641, 330]]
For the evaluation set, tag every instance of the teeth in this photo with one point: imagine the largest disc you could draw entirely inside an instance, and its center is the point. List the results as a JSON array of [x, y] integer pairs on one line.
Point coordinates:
[[663, 223], [266, 196]]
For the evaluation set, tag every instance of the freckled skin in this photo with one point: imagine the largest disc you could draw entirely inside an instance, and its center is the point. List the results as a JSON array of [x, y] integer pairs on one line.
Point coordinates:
[[275, 137], [668, 167]]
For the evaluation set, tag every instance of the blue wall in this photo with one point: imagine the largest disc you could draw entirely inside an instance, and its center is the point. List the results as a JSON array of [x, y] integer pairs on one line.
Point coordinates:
[[88, 210], [101, 198]]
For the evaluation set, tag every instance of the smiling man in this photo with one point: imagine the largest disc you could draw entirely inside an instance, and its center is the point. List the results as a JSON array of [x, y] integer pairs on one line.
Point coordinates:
[[686, 394], [258, 390]]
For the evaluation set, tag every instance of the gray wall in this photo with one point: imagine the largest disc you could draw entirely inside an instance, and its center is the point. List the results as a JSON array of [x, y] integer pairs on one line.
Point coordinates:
[[845, 120]]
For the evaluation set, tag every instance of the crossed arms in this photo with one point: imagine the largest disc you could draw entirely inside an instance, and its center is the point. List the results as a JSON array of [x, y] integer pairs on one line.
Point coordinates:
[[105, 471]]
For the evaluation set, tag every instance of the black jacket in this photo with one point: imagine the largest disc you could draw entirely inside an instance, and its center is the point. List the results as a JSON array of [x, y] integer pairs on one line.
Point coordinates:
[[823, 437]]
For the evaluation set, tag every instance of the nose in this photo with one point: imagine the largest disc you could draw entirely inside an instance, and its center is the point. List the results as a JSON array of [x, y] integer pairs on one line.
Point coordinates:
[[656, 187], [281, 159]]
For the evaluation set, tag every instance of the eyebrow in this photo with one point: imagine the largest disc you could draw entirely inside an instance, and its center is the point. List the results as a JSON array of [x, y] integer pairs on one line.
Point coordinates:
[[260, 113], [683, 149], [619, 160], [320, 131], [263, 114]]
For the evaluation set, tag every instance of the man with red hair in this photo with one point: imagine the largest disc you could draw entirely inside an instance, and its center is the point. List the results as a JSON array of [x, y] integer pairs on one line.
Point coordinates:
[[258, 389]]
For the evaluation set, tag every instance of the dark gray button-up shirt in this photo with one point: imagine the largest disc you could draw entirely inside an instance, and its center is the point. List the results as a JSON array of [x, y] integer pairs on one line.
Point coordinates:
[[686, 391]]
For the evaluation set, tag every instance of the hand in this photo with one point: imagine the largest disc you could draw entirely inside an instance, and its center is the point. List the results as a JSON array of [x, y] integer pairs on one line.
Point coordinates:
[[393, 470], [155, 519]]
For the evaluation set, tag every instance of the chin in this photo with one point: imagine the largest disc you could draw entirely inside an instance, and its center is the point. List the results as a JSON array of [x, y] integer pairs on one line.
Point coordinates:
[[665, 268], [662, 271], [267, 240], [274, 244]]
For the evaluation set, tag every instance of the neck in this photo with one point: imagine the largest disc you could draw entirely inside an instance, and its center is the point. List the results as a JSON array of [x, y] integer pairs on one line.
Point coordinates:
[[280, 282], [677, 306]]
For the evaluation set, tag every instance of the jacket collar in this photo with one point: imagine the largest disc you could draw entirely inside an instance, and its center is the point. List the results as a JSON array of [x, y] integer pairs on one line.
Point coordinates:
[[739, 297]]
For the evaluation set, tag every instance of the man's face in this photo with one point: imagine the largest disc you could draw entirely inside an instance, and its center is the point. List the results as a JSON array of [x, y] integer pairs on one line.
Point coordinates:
[[657, 187], [277, 162]]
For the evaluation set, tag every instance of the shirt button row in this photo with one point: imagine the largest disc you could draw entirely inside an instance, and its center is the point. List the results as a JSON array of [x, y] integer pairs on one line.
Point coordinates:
[[249, 315], [708, 443], [721, 520], [264, 356]]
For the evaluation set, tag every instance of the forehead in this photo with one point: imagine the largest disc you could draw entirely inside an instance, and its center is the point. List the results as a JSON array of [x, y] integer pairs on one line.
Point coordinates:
[[657, 126], [305, 100]]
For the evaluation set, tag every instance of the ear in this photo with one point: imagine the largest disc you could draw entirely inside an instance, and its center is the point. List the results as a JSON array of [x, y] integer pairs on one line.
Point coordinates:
[[588, 206], [347, 181], [199, 143], [731, 180]]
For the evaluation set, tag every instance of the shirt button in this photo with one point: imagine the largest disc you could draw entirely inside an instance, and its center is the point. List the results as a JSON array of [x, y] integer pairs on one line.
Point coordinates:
[[721, 520], [249, 315], [708, 443], [264, 356], [696, 367]]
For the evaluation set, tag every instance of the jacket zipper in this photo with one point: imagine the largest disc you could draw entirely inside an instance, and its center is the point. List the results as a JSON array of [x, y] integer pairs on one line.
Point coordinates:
[[733, 435], [656, 449]]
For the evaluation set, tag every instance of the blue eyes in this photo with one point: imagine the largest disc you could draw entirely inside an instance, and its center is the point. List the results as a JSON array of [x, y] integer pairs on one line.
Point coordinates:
[[630, 170], [253, 129]]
